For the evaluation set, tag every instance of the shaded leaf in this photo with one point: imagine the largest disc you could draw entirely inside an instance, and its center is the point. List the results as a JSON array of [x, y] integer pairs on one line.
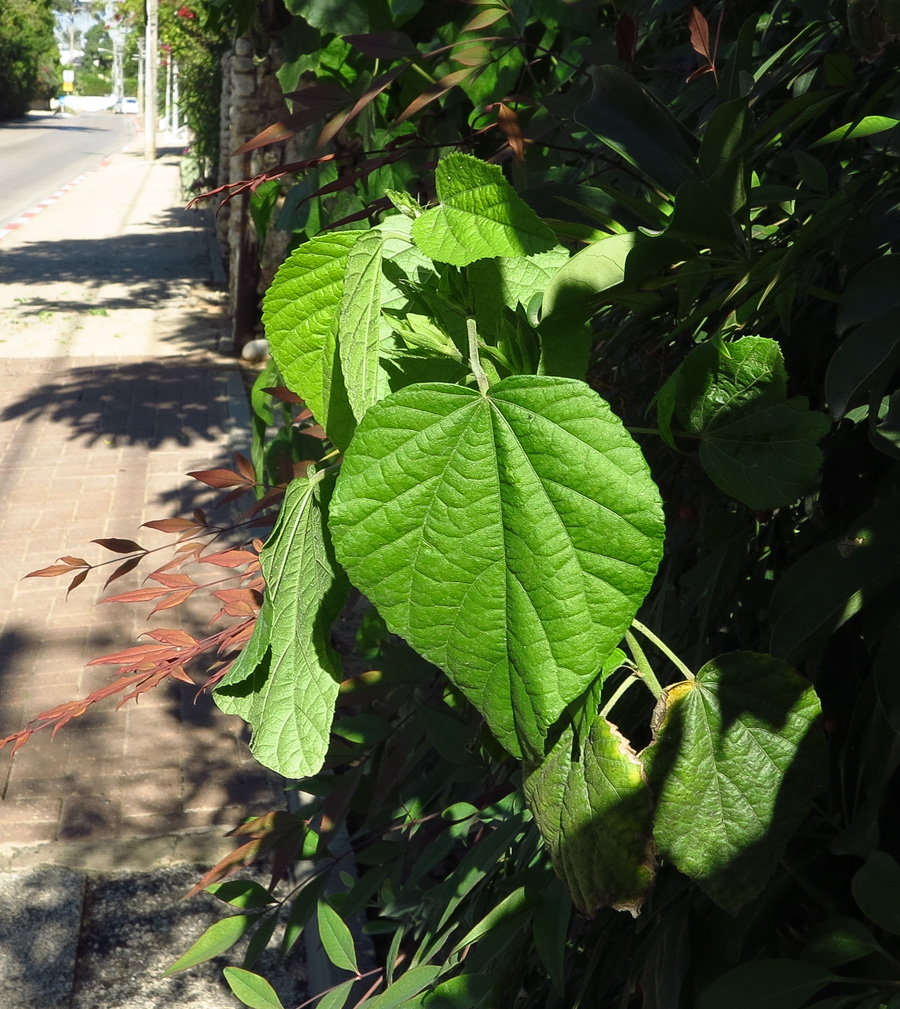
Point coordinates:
[[594, 811], [628, 119], [433, 92], [765, 984], [737, 761], [876, 890], [121, 570], [119, 546], [384, 45], [839, 940], [755, 444]]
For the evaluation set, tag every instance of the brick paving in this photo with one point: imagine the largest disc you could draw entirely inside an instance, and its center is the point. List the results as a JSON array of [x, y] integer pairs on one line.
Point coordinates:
[[92, 446]]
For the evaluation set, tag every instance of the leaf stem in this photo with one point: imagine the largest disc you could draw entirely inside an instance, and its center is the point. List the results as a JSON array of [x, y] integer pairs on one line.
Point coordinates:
[[631, 678], [474, 357], [663, 647], [644, 668]]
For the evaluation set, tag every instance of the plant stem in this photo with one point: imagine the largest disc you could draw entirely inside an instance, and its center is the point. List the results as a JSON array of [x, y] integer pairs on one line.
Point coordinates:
[[655, 430], [643, 666], [663, 647], [474, 357], [619, 691]]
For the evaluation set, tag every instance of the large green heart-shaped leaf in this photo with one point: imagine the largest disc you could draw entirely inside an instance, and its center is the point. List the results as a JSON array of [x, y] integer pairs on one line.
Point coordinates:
[[509, 537], [360, 322], [299, 309], [479, 215], [756, 444], [735, 766], [286, 680], [594, 811]]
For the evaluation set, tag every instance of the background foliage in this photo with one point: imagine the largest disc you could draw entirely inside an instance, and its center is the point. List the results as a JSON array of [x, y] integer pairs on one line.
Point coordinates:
[[29, 58]]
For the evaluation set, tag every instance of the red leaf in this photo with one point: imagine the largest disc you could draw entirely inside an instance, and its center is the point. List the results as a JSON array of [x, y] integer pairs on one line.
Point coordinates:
[[283, 393], [173, 581], [233, 861], [508, 121], [120, 546], [137, 654], [219, 478], [122, 569], [433, 92], [272, 496], [77, 580], [232, 496], [230, 558], [173, 600], [172, 636], [51, 572], [626, 40], [76, 562], [384, 45], [170, 525], [136, 596], [239, 602], [371, 93], [245, 467], [699, 29]]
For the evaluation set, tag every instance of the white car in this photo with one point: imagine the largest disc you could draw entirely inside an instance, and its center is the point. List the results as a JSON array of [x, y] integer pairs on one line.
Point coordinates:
[[127, 105]]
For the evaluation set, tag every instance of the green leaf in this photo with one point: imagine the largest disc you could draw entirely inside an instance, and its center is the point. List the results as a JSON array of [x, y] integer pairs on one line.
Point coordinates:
[[336, 938], [721, 153], [551, 928], [594, 811], [251, 989], [241, 893], [299, 309], [263, 201], [467, 990], [293, 672], [865, 127], [829, 584], [588, 273], [735, 765], [876, 889], [343, 17], [699, 217], [360, 322], [887, 682], [756, 445], [337, 997], [864, 361], [513, 904], [509, 537], [219, 937], [872, 291], [839, 940], [765, 984], [301, 911], [406, 986], [478, 215], [622, 114]]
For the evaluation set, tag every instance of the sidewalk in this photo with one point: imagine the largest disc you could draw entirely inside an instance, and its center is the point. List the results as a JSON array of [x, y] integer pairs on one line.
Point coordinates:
[[111, 390]]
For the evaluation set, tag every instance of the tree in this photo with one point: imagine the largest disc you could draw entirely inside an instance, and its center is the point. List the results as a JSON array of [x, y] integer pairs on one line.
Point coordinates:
[[29, 56]]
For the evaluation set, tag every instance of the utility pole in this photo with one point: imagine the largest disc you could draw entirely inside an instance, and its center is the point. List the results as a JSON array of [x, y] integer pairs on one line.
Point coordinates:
[[151, 115]]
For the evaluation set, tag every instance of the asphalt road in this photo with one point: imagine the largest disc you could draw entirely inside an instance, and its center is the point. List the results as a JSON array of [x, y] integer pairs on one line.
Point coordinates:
[[42, 152]]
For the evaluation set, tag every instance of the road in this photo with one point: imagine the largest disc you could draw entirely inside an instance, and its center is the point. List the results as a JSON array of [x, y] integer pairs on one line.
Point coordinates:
[[42, 152]]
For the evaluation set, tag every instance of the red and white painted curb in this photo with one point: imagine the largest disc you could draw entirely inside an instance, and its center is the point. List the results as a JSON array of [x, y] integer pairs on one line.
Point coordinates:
[[23, 219]]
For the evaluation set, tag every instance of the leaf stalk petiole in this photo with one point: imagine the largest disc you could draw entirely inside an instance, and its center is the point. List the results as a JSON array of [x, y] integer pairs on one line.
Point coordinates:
[[644, 669], [474, 356], [664, 648]]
